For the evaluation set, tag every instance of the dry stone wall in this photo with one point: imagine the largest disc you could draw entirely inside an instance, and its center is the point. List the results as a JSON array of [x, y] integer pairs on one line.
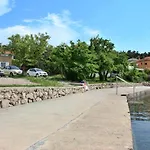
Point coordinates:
[[18, 96], [137, 96]]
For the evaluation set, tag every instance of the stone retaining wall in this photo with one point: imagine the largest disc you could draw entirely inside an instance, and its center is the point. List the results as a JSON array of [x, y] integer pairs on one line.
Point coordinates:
[[146, 83], [112, 85], [138, 96], [18, 96]]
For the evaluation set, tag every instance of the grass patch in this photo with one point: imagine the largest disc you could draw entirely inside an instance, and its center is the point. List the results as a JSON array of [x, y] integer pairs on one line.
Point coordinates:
[[58, 77], [44, 81], [95, 81]]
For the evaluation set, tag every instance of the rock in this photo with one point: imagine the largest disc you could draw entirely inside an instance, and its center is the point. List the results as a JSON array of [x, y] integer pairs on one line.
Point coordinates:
[[17, 103], [38, 99], [5, 104], [7, 96], [1, 97], [54, 92], [13, 103], [30, 96], [15, 97], [41, 94], [23, 95], [30, 101], [61, 93], [24, 101], [50, 92]]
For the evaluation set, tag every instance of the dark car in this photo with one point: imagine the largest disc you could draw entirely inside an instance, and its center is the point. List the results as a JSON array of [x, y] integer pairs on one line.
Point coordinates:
[[2, 73]]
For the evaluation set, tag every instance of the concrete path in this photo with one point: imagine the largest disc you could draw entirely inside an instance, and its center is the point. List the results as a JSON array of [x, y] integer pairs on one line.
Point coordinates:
[[95, 120]]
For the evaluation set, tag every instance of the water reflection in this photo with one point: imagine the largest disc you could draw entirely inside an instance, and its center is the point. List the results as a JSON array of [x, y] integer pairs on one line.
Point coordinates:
[[140, 116]]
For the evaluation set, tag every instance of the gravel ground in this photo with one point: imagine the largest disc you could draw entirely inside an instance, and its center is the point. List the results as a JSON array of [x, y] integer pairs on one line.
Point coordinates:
[[9, 81]]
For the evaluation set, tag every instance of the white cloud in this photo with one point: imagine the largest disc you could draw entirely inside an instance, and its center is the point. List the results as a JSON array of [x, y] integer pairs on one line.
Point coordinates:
[[91, 32], [6, 6], [60, 27]]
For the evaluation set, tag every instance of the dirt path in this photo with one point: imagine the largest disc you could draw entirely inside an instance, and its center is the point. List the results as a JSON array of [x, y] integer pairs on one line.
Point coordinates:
[[9, 81], [86, 121]]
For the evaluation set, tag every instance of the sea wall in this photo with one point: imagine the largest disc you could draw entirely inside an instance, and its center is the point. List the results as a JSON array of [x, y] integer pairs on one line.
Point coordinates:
[[22, 95], [137, 96]]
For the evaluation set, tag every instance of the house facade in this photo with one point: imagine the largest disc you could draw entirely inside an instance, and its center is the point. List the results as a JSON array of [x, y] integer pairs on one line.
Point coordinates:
[[144, 63], [5, 59]]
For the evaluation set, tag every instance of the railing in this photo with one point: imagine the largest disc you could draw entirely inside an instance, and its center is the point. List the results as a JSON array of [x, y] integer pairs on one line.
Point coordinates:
[[118, 78]]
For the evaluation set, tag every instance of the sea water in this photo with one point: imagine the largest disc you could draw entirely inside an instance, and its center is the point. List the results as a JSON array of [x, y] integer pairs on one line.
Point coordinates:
[[140, 120]]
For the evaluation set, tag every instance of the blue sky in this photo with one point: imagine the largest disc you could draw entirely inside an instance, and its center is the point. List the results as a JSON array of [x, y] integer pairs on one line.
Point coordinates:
[[124, 22]]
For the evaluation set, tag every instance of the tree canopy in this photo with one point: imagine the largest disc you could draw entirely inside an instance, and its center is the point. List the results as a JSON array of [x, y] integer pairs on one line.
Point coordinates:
[[75, 61], [28, 49]]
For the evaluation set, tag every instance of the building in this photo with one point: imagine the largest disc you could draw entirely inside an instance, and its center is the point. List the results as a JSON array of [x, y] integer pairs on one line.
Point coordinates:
[[144, 63], [133, 64], [132, 60], [5, 58]]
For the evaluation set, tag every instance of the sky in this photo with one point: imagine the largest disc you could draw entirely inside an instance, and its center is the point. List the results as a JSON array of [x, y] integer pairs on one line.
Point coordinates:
[[125, 22]]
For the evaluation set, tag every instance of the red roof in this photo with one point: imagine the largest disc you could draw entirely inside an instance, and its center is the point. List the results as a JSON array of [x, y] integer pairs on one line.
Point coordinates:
[[144, 59], [147, 58], [6, 52]]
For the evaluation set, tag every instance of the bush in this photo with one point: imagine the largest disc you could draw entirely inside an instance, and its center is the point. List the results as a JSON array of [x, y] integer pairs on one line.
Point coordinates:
[[135, 76]]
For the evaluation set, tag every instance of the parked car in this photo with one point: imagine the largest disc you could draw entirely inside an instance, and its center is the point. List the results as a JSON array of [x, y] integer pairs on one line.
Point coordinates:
[[12, 70], [36, 72], [2, 73]]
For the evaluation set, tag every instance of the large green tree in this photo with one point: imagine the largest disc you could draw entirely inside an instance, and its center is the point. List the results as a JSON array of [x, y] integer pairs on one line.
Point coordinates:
[[121, 64], [104, 50], [75, 61], [28, 49]]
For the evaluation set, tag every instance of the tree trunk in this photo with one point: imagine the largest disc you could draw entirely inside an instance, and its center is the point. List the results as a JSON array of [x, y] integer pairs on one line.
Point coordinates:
[[92, 75], [106, 74], [23, 67], [101, 77]]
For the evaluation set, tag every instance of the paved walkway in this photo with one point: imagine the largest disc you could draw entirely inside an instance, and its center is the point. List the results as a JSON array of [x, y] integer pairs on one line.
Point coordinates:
[[96, 120]]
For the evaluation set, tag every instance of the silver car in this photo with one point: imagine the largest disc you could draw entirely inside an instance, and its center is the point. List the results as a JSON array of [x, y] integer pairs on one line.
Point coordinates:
[[36, 72], [12, 70]]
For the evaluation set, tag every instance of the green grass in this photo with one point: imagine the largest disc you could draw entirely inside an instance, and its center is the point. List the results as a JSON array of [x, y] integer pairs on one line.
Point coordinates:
[[56, 77], [41, 81], [95, 81]]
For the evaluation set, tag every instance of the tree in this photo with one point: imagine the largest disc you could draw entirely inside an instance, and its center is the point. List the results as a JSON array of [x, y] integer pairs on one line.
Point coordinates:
[[121, 63], [3, 48], [104, 50], [47, 63], [28, 49], [75, 62]]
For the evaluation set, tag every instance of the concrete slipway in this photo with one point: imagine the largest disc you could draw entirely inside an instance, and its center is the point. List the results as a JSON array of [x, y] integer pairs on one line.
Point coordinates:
[[95, 120]]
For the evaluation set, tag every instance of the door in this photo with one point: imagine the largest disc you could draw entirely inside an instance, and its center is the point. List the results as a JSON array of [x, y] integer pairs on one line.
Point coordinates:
[[32, 72], [7, 70]]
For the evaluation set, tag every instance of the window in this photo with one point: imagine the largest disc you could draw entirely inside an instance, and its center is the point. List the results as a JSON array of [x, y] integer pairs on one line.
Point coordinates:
[[31, 69], [37, 69], [14, 67], [4, 64], [4, 55], [7, 67]]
